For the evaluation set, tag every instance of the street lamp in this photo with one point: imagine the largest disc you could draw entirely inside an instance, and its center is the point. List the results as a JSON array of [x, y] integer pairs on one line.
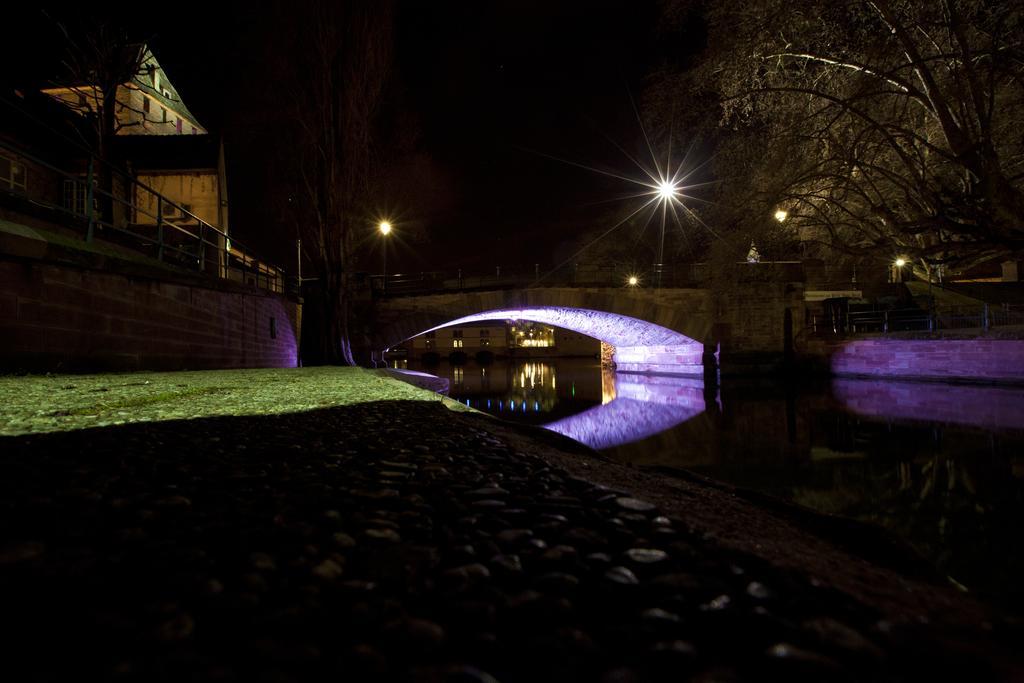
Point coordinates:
[[781, 215], [898, 270], [633, 281], [666, 190], [385, 230]]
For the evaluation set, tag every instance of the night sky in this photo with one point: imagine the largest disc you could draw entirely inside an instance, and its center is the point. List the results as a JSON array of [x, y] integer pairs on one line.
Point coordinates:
[[485, 91]]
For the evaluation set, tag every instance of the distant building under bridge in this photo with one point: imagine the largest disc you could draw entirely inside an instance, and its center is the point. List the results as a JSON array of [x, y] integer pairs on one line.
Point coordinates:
[[521, 339]]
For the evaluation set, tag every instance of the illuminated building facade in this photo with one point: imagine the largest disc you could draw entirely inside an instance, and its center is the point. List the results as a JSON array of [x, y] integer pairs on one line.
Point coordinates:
[[470, 339], [515, 338], [179, 168], [146, 105]]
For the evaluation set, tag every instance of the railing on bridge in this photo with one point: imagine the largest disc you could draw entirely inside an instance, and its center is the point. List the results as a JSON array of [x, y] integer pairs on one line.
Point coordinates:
[[886, 320], [500, 277], [130, 215]]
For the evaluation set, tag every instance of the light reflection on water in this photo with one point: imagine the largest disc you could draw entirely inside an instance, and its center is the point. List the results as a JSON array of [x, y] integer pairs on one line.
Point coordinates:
[[940, 465], [639, 407]]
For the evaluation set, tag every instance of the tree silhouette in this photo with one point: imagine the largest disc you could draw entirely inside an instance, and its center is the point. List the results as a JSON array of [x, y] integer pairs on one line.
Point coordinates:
[[338, 57], [881, 127]]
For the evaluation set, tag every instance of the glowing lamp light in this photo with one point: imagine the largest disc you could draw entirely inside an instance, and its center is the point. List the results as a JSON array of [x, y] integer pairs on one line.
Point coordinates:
[[666, 190], [900, 262], [633, 281], [781, 215], [385, 227]]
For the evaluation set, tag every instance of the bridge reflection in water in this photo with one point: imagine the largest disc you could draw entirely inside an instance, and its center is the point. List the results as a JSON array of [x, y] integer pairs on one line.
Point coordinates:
[[575, 397], [640, 406]]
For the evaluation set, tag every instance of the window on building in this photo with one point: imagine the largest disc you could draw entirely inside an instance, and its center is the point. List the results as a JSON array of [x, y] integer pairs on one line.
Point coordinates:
[[163, 111], [457, 343], [429, 335], [12, 174], [484, 341], [429, 343], [75, 196], [179, 125], [532, 335], [457, 334], [194, 131], [485, 332], [145, 104]]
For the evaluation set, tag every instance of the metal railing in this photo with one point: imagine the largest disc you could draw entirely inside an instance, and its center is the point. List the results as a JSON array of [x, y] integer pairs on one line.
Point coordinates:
[[674, 275], [504, 277], [133, 215], [889, 320], [886, 320], [984, 317]]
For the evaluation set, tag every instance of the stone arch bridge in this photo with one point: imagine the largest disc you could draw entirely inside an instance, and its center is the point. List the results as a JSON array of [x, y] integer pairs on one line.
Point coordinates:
[[652, 331], [678, 331]]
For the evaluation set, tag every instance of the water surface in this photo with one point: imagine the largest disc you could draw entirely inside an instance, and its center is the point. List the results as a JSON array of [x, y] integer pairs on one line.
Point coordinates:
[[940, 465]]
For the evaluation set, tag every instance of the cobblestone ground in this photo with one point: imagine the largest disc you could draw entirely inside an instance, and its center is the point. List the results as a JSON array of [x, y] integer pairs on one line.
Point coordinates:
[[398, 541]]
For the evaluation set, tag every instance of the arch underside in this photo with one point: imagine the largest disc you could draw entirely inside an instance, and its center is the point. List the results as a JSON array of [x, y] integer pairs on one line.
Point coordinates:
[[640, 346], [641, 408], [612, 328]]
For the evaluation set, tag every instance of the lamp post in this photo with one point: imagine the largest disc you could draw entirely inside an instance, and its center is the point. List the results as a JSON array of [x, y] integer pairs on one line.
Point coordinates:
[[385, 230], [666, 193]]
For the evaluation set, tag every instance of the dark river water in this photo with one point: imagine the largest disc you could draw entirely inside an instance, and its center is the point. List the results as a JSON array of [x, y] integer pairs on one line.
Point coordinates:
[[940, 465]]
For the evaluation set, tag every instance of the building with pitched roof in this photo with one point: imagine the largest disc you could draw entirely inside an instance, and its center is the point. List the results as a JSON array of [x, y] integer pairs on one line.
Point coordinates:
[[147, 104]]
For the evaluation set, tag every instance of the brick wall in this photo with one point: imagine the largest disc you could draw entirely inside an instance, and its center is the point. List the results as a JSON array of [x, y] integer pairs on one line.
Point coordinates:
[[949, 359], [58, 317]]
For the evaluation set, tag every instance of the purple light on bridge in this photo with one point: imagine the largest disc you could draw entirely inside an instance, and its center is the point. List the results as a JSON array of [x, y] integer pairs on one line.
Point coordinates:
[[617, 330], [644, 406]]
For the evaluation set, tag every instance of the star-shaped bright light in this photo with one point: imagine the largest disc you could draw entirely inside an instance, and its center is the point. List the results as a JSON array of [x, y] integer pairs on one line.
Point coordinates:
[[633, 281], [665, 187]]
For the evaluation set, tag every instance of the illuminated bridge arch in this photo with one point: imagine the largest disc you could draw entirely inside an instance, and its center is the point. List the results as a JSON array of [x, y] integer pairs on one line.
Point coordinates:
[[652, 331]]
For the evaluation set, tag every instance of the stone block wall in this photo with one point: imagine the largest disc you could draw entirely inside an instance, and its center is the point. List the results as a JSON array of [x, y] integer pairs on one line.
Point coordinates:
[[751, 331], [59, 317], [682, 359], [933, 359], [752, 317]]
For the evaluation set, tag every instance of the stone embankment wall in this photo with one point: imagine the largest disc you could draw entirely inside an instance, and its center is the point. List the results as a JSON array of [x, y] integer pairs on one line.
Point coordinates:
[[683, 359], [980, 359], [61, 317]]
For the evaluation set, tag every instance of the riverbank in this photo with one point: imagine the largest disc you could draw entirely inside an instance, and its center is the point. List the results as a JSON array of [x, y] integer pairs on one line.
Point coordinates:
[[54, 403], [398, 540]]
